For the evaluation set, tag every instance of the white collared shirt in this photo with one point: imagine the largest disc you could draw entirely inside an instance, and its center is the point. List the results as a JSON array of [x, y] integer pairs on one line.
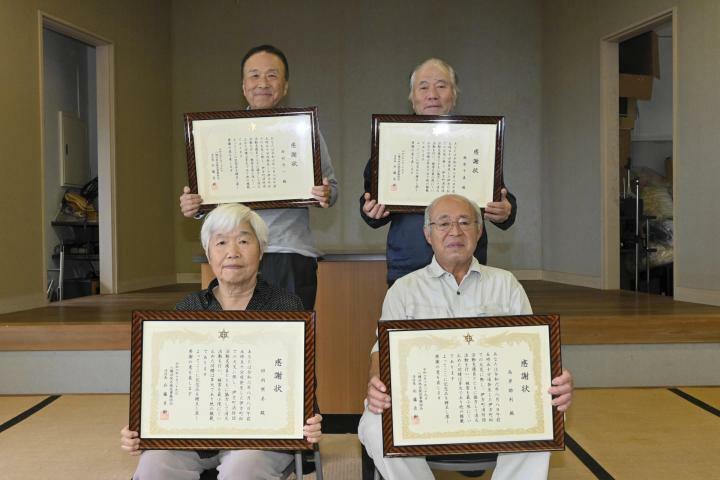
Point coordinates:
[[432, 292]]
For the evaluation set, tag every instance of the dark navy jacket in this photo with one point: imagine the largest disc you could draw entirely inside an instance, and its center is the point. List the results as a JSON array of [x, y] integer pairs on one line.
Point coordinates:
[[407, 249]]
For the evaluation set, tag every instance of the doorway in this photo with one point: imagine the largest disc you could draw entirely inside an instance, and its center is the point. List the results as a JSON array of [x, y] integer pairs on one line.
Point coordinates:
[[77, 125], [646, 161], [638, 92]]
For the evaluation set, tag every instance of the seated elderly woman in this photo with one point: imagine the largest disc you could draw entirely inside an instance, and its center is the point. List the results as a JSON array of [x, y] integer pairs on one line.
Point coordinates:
[[234, 238]]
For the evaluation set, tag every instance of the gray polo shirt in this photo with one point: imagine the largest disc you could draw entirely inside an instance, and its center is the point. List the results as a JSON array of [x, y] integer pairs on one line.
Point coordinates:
[[289, 228]]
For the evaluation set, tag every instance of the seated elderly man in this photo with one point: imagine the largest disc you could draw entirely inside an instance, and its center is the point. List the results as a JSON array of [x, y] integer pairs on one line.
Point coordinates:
[[234, 238], [455, 284]]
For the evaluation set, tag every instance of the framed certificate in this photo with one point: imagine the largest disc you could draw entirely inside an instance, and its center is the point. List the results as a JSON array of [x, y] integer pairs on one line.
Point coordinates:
[[470, 385], [222, 380], [416, 158], [262, 158]]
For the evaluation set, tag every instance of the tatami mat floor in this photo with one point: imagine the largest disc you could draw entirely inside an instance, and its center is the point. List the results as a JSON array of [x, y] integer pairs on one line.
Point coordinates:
[[649, 433]]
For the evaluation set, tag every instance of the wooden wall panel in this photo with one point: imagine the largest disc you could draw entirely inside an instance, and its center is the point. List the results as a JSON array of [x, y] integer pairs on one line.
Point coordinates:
[[349, 300]]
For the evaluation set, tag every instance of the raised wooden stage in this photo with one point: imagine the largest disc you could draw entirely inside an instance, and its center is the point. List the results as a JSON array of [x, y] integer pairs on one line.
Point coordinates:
[[349, 299], [588, 317]]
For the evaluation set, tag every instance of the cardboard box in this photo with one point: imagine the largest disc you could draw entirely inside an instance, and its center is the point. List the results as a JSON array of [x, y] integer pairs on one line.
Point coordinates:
[[636, 86], [628, 113], [640, 55]]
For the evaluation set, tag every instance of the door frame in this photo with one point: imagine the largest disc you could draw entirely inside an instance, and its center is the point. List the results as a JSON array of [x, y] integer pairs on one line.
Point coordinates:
[[609, 141], [105, 78]]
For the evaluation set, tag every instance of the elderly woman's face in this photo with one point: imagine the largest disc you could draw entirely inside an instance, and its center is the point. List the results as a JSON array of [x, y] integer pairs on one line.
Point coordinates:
[[432, 93], [234, 256]]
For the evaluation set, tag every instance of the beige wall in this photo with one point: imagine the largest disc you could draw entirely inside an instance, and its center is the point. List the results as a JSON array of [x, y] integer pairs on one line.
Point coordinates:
[[537, 63], [352, 59], [140, 32], [571, 198]]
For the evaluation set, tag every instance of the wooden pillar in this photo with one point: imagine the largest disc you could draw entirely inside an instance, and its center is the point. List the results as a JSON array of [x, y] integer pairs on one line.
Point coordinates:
[[348, 305]]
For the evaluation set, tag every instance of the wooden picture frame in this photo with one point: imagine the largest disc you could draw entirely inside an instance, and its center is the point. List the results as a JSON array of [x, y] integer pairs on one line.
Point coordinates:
[[427, 357], [226, 165], [468, 159], [159, 342]]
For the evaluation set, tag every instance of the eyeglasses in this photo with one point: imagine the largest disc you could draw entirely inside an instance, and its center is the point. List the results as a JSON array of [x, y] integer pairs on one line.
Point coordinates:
[[446, 225]]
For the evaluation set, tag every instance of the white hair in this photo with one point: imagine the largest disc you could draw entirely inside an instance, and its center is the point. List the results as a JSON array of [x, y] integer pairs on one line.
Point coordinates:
[[440, 64], [229, 216], [473, 205]]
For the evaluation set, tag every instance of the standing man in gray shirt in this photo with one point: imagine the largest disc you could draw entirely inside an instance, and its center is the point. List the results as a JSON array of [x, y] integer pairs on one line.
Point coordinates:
[[290, 261]]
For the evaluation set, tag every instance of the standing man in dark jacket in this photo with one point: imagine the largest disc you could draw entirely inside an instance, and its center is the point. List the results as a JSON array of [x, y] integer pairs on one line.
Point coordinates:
[[433, 91]]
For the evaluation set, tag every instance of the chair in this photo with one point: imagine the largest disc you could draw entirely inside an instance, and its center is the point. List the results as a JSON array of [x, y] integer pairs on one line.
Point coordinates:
[[301, 465], [471, 465], [306, 461]]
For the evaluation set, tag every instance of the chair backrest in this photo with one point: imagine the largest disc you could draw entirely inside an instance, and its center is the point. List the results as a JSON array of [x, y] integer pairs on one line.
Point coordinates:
[[463, 463], [458, 463], [296, 467]]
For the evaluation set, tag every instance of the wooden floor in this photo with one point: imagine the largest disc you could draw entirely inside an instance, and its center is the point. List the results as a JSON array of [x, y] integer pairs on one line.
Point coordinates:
[[651, 433], [588, 316], [592, 317], [97, 322]]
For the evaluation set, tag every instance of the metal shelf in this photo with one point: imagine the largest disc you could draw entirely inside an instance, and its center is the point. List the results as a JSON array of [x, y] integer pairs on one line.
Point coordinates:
[[78, 256], [74, 233], [65, 223]]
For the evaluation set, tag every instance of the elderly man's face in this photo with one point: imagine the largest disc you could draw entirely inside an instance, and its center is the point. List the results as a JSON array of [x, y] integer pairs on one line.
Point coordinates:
[[264, 82], [432, 93], [456, 245], [234, 256]]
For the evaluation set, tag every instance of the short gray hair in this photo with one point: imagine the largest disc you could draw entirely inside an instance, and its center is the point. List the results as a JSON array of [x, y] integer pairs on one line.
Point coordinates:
[[473, 205], [441, 64], [229, 216]]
